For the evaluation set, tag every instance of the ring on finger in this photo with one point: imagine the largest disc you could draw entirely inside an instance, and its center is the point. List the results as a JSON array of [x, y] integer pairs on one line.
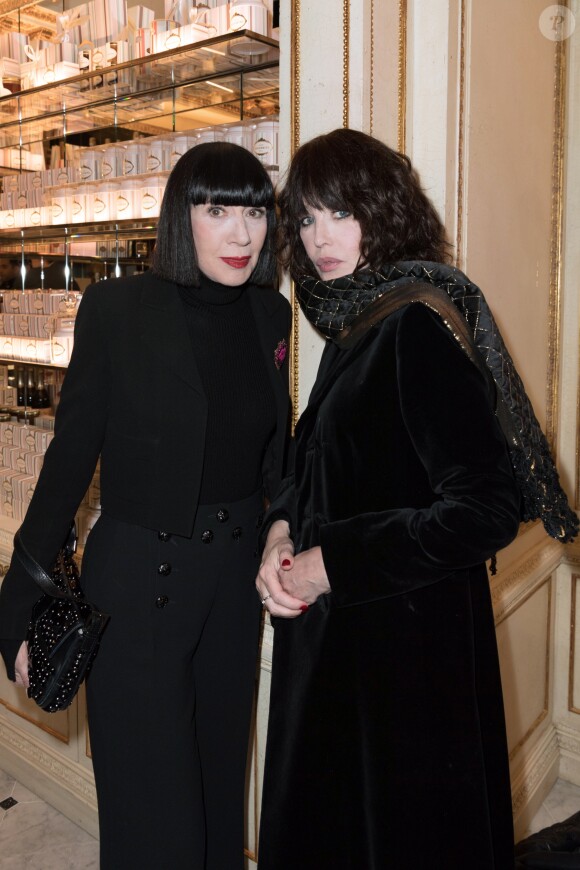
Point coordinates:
[[265, 598]]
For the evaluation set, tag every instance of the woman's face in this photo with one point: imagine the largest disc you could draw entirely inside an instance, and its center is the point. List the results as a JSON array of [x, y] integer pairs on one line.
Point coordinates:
[[332, 241], [228, 240]]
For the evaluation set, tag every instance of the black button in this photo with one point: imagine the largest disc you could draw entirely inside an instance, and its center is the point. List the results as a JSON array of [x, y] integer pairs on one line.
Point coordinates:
[[164, 569], [237, 533], [222, 515], [162, 601], [207, 536], [163, 536]]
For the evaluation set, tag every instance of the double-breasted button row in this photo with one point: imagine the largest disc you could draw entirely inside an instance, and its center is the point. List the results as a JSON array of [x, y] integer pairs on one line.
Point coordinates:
[[208, 536], [161, 602], [222, 515], [164, 569]]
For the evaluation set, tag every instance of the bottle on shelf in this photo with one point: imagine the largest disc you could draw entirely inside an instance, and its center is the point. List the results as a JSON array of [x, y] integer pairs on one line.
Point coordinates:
[[30, 388], [20, 387], [41, 397]]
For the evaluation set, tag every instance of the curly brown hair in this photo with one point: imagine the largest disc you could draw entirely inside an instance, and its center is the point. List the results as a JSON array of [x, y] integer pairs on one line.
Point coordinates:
[[348, 170]]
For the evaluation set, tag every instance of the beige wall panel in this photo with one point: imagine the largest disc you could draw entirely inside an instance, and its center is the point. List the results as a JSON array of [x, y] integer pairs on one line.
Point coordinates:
[[524, 639], [433, 39], [507, 176]]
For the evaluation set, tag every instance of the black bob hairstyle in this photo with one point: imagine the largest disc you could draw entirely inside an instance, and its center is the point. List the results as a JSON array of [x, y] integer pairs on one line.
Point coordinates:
[[348, 170], [220, 173]]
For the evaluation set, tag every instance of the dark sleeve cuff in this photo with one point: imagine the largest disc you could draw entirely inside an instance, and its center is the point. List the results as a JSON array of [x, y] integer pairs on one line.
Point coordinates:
[[18, 595], [270, 518], [9, 650]]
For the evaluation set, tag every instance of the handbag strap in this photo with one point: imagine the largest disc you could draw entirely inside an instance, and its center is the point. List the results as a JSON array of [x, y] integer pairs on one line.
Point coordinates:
[[438, 301], [38, 573]]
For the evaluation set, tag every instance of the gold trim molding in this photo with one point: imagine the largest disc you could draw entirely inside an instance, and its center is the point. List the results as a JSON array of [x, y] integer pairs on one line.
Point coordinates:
[[556, 218], [460, 138], [372, 73], [402, 79], [294, 145], [345, 59]]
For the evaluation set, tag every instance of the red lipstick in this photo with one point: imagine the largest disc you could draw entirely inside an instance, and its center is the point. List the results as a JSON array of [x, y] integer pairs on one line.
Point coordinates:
[[236, 262]]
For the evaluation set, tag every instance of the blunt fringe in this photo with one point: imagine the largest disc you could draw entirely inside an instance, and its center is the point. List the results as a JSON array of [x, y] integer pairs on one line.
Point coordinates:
[[348, 170], [220, 173]]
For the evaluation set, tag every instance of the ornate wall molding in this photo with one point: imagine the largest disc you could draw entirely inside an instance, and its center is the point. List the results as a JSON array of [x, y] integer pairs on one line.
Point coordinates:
[[295, 143], [572, 708], [345, 59], [63, 736], [533, 773], [556, 220], [513, 588], [372, 74], [460, 138], [63, 782], [402, 79]]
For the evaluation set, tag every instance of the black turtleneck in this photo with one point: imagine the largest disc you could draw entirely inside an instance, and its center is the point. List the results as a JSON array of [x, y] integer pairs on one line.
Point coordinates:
[[241, 407]]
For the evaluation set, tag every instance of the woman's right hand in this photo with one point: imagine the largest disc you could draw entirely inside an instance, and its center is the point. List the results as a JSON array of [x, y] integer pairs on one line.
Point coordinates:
[[21, 666], [278, 556]]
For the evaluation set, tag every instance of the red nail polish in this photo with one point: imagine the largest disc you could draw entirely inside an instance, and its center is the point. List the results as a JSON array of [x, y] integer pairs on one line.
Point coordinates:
[[303, 608], [285, 563]]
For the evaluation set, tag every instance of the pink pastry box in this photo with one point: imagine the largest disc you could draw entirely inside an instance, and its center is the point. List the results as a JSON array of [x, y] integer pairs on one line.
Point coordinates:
[[32, 438], [21, 459], [37, 325], [55, 350], [15, 486], [39, 302]]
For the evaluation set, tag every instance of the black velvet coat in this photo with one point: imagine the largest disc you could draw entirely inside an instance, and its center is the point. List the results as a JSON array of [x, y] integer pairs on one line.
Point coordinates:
[[386, 744]]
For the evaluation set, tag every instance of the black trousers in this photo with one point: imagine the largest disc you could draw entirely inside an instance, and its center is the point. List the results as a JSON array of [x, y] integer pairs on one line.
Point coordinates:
[[170, 693]]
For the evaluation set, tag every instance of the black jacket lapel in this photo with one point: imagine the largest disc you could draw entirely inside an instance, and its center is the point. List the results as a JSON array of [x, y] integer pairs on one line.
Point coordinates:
[[163, 328]]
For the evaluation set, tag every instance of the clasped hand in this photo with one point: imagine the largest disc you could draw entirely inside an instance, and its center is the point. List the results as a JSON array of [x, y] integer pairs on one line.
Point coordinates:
[[288, 583]]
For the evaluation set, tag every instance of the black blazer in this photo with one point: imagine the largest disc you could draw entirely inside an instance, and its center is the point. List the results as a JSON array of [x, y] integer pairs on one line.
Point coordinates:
[[133, 395]]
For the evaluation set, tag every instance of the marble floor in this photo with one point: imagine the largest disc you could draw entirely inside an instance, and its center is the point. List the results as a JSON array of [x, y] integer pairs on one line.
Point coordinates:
[[34, 836], [28, 825]]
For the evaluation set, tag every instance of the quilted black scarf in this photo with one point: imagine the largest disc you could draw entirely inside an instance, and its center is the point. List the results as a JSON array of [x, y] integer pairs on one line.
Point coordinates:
[[331, 306]]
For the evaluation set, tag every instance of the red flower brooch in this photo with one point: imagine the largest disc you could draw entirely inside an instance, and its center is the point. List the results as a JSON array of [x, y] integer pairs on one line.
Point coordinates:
[[280, 353]]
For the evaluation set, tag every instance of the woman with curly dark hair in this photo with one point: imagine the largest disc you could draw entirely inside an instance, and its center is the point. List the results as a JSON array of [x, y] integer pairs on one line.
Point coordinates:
[[386, 743]]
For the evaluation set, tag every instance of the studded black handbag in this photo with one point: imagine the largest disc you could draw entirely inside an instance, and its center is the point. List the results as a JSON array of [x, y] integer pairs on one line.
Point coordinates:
[[64, 632]]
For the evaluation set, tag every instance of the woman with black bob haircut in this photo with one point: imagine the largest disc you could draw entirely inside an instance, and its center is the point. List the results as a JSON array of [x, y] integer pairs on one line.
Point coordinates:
[[386, 736], [223, 174], [178, 381]]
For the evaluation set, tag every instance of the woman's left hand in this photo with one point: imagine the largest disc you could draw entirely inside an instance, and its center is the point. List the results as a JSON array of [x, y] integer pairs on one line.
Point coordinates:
[[306, 579]]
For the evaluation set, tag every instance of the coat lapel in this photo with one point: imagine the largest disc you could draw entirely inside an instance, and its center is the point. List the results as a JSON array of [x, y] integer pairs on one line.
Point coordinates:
[[162, 326]]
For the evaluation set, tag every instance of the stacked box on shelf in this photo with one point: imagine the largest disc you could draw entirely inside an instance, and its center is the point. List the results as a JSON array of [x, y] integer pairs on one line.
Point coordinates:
[[22, 450], [39, 302], [7, 397], [37, 325], [21, 456]]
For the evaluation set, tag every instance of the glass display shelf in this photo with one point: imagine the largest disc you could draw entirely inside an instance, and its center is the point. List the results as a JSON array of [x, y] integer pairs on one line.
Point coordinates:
[[16, 360], [221, 75], [139, 228]]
